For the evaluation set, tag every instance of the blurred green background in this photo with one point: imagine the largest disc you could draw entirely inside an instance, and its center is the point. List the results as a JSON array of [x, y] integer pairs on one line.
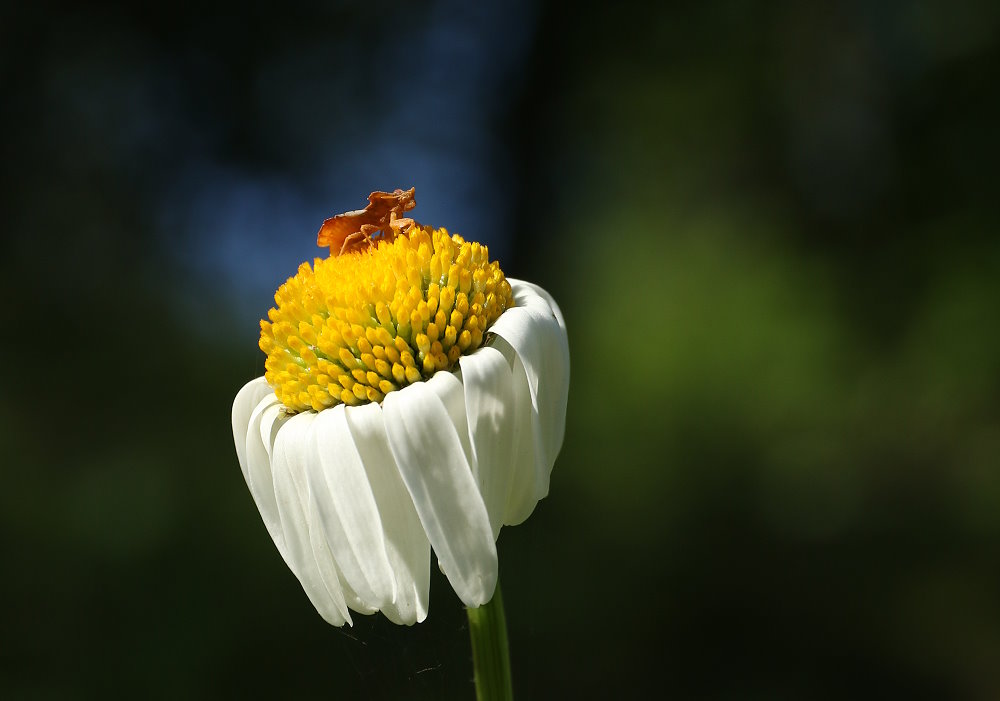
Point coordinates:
[[772, 229]]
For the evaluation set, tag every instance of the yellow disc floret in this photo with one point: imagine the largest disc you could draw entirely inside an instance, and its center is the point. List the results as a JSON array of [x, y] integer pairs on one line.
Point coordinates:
[[355, 327]]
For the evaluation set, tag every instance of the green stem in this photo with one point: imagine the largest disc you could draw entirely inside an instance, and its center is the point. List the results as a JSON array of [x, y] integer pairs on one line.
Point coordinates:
[[490, 654]]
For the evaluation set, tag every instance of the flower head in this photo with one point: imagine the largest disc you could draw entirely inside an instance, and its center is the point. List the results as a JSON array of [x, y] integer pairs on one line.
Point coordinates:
[[353, 328], [414, 398]]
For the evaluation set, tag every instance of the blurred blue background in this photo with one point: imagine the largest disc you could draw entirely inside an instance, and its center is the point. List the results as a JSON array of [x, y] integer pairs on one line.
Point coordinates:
[[773, 232]]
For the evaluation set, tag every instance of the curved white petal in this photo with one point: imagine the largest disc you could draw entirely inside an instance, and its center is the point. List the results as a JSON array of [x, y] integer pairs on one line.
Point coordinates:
[[490, 414], [522, 497], [306, 553], [434, 466], [342, 497], [246, 401], [538, 336], [406, 544], [328, 568], [272, 418], [541, 292], [266, 415], [449, 390]]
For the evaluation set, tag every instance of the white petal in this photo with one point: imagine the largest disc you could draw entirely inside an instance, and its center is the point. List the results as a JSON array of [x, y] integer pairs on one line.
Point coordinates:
[[307, 554], [346, 509], [406, 544], [536, 332], [449, 390], [544, 295], [267, 413], [271, 420], [246, 400], [524, 481], [490, 410], [437, 474], [328, 568]]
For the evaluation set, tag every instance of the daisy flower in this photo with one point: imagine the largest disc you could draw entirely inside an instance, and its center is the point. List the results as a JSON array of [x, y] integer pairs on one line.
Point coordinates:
[[414, 400]]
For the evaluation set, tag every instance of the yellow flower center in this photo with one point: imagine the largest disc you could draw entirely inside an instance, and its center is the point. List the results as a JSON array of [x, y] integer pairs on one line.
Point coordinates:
[[354, 327]]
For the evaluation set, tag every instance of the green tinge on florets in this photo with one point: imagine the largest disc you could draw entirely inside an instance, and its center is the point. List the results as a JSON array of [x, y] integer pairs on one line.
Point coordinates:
[[355, 327]]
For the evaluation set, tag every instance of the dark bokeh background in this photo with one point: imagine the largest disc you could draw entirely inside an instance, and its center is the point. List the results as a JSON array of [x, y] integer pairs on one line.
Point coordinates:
[[773, 229]]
